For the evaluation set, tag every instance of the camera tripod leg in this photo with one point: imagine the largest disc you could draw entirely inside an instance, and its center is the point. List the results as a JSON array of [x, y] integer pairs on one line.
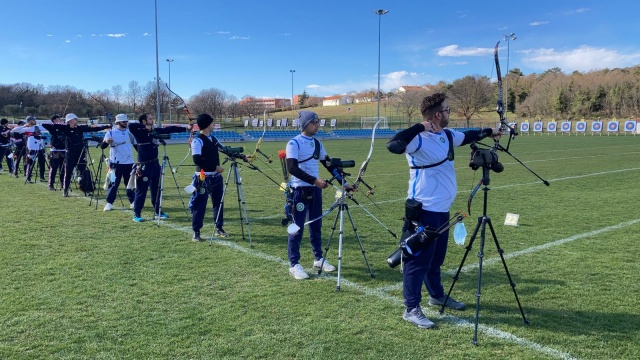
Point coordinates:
[[326, 249], [506, 270], [242, 206], [355, 231], [175, 181]]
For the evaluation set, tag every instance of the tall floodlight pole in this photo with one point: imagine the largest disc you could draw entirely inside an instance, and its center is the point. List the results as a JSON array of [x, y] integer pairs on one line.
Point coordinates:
[[157, 67], [379, 12], [292, 71], [170, 61], [508, 39]]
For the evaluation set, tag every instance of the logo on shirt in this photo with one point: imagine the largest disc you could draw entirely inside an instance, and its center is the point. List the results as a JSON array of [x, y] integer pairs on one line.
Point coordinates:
[[299, 207], [312, 144], [145, 179], [442, 140]]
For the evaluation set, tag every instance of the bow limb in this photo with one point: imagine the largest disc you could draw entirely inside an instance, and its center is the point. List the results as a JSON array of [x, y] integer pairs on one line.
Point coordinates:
[[251, 158], [363, 168], [185, 108]]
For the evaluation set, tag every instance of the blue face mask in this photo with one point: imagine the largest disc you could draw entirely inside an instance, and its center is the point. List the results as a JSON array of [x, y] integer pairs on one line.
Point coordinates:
[[459, 233]]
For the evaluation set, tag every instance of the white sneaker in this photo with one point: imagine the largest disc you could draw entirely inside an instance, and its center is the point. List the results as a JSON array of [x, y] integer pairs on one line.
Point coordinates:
[[325, 267], [298, 272], [108, 207], [131, 206]]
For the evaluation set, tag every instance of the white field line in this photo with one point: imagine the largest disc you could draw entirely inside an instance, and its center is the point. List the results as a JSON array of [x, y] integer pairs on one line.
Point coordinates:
[[533, 249], [377, 293]]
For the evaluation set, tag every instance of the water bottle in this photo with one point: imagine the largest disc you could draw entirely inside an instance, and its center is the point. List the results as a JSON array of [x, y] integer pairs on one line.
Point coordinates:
[[459, 233]]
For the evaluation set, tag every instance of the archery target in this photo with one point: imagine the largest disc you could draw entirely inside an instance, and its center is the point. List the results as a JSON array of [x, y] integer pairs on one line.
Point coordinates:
[[612, 126], [630, 125], [581, 126], [566, 126], [524, 127], [596, 126], [537, 127]]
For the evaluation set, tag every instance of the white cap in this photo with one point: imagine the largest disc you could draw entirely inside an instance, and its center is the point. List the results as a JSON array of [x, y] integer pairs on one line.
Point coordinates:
[[122, 118], [70, 116]]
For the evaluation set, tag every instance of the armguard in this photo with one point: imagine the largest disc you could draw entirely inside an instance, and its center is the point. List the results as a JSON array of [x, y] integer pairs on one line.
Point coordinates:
[[471, 136]]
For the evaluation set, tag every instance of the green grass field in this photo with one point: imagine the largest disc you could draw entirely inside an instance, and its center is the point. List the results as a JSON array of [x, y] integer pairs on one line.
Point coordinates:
[[78, 283]]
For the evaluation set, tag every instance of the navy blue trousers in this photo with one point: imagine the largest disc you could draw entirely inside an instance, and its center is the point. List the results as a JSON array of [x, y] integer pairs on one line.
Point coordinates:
[[425, 266], [150, 179], [306, 200], [210, 188], [123, 171]]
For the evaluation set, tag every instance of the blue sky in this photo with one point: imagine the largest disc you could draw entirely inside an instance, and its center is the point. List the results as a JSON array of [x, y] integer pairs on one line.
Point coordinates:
[[249, 47]]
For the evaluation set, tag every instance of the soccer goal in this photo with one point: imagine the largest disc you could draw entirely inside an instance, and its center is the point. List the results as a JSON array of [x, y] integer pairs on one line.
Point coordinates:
[[369, 121]]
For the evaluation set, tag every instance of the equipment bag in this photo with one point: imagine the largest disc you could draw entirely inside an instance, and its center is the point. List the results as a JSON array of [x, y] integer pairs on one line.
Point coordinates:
[[85, 181]]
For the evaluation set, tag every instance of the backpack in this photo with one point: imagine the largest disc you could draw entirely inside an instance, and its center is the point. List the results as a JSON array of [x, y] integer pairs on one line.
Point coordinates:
[[85, 183]]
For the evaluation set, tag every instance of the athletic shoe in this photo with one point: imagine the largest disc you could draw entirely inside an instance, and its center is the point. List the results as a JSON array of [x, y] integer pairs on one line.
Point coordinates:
[[65, 193], [43, 180], [416, 317], [325, 267], [221, 233], [162, 216], [138, 218], [131, 206], [51, 188], [29, 182], [196, 236], [451, 303], [108, 207], [298, 272]]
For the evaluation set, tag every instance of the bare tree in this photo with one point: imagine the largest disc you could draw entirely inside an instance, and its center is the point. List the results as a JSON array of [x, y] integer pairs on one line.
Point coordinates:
[[469, 95], [118, 94], [134, 95], [408, 103]]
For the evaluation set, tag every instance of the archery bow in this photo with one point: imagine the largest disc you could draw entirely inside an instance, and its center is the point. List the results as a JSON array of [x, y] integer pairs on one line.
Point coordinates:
[[251, 158], [363, 168], [185, 108]]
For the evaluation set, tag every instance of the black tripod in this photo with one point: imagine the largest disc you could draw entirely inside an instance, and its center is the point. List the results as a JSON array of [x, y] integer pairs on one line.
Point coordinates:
[[343, 207], [96, 180], [242, 206], [165, 161], [36, 160], [481, 226]]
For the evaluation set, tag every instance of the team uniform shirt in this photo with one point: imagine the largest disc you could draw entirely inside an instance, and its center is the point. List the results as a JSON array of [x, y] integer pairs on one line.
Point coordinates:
[[34, 141], [302, 147], [57, 137], [434, 187], [196, 149], [121, 149], [4, 136]]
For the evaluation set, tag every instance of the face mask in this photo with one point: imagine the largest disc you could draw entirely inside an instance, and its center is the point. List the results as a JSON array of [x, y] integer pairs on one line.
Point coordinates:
[[459, 233]]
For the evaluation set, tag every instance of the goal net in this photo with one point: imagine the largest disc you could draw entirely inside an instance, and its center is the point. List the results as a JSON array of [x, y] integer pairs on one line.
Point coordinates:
[[368, 122]]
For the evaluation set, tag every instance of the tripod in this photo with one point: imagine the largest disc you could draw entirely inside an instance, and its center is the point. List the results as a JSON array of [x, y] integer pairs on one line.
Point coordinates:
[[242, 206], [343, 207], [481, 226], [35, 164], [96, 180], [165, 160]]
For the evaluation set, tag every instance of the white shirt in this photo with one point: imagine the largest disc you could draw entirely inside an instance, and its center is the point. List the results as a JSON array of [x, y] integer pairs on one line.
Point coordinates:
[[302, 148], [121, 149], [30, 131], [434, 187]]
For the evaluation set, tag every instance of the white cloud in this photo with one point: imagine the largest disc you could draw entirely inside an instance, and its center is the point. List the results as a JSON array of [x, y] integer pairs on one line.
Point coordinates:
[[79, 36], [392, 80], [538, 23], [583, 58], [146, 34], [455, 50], [223, 32], [578, 11], [49, 35], [67, 41], [236, 37], [116, 35]]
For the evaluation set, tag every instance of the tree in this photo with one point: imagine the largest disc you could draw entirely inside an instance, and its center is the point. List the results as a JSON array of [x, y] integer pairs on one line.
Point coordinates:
[[134, 95], [303, 97], [408, 102], [469, 95]]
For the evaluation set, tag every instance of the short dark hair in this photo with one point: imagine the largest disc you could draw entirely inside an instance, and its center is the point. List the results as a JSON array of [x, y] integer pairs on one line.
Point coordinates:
[[432, 104], [4, 121], [143, 117]]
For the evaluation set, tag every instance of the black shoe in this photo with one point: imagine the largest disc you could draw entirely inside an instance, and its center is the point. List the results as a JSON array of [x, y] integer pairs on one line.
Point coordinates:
[[221, 233], [451, 303], [43, 180], [29, 182], [51, 188], [196, 236], [65, 193]]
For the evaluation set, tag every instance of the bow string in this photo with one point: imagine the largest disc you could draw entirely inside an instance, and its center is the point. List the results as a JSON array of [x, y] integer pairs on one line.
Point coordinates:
[[186, 111]]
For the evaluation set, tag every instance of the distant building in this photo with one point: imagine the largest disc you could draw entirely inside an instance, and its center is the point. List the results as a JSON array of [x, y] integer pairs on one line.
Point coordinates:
[[337, 100], [266, 103]]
